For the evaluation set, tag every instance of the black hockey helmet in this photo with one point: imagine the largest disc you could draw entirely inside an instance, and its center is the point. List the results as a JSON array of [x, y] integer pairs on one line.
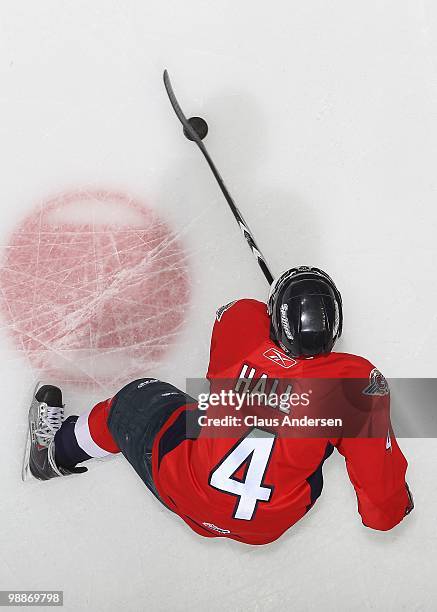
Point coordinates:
[[305, 310]]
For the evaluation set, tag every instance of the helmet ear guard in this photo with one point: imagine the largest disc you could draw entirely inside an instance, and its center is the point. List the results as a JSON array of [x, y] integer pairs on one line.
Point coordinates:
[[305, 309]]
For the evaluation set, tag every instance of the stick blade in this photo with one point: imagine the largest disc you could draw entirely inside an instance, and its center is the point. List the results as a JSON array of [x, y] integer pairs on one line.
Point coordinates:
[[188, 128]]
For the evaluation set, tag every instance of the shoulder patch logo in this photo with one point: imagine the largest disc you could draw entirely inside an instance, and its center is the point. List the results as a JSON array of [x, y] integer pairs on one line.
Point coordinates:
[[377, 384], [279, 358], [221, 311]]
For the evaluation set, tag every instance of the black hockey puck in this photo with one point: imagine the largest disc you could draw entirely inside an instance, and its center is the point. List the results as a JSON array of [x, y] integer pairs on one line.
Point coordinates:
[[200, 127]]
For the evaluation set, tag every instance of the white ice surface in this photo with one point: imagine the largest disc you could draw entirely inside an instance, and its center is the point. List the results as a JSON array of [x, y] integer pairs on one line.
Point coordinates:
[[322, 120]]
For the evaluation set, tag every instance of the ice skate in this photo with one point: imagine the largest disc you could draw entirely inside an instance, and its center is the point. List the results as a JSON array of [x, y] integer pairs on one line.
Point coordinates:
[[46, 415]]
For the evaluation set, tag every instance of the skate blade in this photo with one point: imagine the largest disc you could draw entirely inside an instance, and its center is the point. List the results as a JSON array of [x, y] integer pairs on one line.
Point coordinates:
[[25, 467], [26, 459]]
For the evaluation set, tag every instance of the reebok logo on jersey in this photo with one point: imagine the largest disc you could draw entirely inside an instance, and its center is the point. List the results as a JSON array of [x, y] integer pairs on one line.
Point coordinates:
[[215, 528], [279, 358], [377, 384]]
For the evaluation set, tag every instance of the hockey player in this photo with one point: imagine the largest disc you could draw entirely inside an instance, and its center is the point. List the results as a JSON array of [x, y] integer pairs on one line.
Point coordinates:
[[252, 487]]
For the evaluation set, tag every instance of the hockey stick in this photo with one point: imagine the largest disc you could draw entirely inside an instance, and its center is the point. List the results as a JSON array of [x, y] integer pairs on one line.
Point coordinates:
[[191, 133]]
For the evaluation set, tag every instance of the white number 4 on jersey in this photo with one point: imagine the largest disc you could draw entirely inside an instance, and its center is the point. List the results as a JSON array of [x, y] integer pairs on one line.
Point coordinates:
[[255, 449]]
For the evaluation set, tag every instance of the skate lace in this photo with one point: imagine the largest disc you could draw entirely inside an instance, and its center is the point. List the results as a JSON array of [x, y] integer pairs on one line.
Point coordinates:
[[50, 420]]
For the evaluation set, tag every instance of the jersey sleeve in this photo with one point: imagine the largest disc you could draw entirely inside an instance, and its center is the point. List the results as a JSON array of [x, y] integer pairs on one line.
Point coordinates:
[[238, 329], [375, 463]]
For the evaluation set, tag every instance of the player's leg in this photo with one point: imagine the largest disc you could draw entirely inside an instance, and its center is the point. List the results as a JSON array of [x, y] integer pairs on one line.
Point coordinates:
[[129, 423], [85, 437], [138, 412]]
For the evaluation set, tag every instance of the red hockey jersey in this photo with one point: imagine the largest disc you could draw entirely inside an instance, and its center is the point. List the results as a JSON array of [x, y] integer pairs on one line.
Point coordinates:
[[253, 486]]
